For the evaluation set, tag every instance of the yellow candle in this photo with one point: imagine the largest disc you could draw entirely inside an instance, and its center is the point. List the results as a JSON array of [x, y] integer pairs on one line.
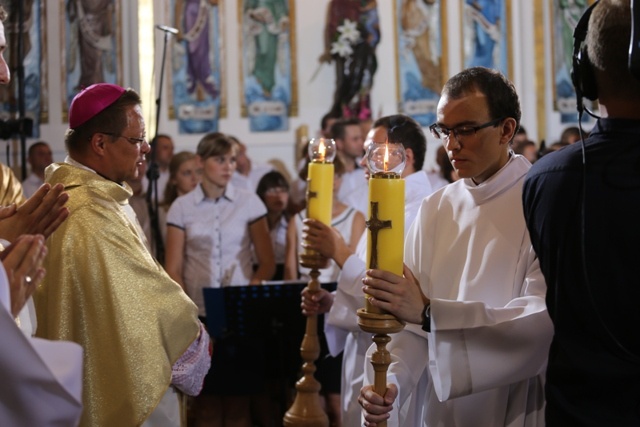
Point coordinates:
[[320, 192], [385, 225]]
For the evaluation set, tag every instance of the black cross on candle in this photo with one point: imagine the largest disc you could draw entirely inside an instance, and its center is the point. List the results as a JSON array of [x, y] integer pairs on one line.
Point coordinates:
[[310, 194], [375, 224]]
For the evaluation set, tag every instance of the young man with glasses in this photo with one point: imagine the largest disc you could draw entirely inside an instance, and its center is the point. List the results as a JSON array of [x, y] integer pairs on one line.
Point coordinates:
[[103, 289], [474, 348]]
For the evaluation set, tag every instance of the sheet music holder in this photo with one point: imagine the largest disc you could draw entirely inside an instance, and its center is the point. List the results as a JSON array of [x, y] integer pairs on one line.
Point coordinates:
[[251, 310], [270, 317]]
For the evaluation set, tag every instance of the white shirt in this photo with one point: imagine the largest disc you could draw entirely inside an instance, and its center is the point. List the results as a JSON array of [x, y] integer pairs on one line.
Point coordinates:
[[31, 184], [341, 328], [483, 362], [344, 224], [437, 180], [251, 181], [279, 239], [354, 190], [217, 241]]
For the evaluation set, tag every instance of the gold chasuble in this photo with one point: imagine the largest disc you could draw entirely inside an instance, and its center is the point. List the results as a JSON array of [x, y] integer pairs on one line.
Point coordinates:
[[105, 291], [11, 188]]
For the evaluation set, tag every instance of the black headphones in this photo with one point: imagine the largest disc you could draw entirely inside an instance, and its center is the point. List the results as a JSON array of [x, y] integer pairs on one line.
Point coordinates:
[[582, 74]]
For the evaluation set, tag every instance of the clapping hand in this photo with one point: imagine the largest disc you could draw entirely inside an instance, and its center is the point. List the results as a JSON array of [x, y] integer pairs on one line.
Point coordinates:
[[42, 213], [22, 261]]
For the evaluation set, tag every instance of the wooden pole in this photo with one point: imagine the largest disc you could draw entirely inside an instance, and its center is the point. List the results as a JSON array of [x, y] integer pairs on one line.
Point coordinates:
[[380, 324], [306, 410]]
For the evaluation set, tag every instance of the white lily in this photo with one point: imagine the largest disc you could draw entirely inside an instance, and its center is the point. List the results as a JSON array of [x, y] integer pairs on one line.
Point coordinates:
[[348, 31], [342, 48]]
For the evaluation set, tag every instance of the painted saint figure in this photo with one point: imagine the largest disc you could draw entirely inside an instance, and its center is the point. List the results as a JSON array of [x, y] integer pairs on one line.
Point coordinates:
[[268, 21], [192, 19], [416, 26], [352, 33], [484, 46], [91, 22]]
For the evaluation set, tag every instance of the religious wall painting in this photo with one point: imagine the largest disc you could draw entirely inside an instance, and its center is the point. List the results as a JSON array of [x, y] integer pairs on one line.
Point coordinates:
[[421, 62], [486, 34], [565, 15], [352, 34], [268, 83], [91, 38], [34, 63], [197, 89]]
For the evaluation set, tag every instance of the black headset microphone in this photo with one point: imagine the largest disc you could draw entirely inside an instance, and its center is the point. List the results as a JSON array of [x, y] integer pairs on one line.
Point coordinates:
[[584, 83]]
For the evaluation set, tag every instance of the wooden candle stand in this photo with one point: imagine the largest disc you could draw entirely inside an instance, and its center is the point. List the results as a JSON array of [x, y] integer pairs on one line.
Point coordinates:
[[306, 410], [381, 325]]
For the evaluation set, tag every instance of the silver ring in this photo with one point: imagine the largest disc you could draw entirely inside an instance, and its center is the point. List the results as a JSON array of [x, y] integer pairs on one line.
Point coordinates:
[[28, 279]]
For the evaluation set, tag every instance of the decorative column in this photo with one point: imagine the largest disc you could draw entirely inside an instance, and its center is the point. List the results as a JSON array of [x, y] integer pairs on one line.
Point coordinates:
[[385, 247], [307, 409]]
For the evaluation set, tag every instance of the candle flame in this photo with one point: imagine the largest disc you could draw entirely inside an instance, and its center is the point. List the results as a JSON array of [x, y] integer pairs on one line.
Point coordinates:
[[386, 157], [321, 150]]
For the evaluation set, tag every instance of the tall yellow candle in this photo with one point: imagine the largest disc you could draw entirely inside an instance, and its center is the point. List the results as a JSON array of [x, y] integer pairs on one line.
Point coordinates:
[[320, 184], [320, 192], [385, 223]]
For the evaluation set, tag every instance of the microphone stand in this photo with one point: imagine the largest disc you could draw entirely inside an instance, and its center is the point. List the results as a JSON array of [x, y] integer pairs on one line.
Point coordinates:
[[21, 102], [153, 173]]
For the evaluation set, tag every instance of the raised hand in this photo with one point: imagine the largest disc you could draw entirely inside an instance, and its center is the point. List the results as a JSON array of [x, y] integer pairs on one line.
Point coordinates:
[[42, 213], [22, 261]]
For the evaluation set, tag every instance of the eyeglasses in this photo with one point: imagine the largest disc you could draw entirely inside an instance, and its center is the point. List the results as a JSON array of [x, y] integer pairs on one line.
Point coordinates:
[[440, 132], [275, 191], [132, 140]]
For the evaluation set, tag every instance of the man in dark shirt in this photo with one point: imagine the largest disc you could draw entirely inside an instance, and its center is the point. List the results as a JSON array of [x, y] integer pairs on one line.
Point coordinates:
[[583, 210]]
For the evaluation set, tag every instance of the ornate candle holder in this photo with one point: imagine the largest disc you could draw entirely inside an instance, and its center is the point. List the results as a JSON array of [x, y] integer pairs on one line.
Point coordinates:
[[307, 409], [385, 251]]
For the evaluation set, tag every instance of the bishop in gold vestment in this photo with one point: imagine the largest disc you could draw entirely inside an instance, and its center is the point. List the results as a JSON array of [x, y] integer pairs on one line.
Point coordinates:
[[103, 289]]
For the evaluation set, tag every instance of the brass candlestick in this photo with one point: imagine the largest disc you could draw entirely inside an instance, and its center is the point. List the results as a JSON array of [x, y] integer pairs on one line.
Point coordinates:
[[307, 409]]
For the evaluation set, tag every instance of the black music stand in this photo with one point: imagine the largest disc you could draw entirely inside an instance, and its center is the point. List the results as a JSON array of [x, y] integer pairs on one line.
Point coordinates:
[[269, 315]]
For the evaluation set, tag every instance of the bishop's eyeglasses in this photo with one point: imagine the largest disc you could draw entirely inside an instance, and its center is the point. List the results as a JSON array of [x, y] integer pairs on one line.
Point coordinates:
[[130, 139]]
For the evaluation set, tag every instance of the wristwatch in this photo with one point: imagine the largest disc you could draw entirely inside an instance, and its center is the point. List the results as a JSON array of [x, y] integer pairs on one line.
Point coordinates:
[[426, 318]]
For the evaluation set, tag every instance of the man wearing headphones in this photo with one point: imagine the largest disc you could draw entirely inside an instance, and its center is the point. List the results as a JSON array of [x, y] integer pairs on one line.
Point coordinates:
[[582, 207]]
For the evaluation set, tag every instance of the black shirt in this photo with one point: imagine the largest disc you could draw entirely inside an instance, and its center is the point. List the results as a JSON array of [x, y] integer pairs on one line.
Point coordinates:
[[593, 276]]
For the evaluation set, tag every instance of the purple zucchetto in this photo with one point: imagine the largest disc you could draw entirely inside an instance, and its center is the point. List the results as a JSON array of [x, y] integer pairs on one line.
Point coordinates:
[[91, 101]]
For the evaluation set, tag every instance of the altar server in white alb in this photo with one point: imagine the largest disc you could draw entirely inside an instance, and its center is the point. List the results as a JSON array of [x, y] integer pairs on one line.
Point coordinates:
[[341, 328], [471, 279]]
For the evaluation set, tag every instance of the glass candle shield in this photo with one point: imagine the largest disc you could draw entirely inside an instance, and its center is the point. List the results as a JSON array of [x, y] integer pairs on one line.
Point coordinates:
[[386, 158]]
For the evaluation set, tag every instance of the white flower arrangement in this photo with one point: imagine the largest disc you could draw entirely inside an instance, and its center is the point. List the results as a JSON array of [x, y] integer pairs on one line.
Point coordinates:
[[348, 35]]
